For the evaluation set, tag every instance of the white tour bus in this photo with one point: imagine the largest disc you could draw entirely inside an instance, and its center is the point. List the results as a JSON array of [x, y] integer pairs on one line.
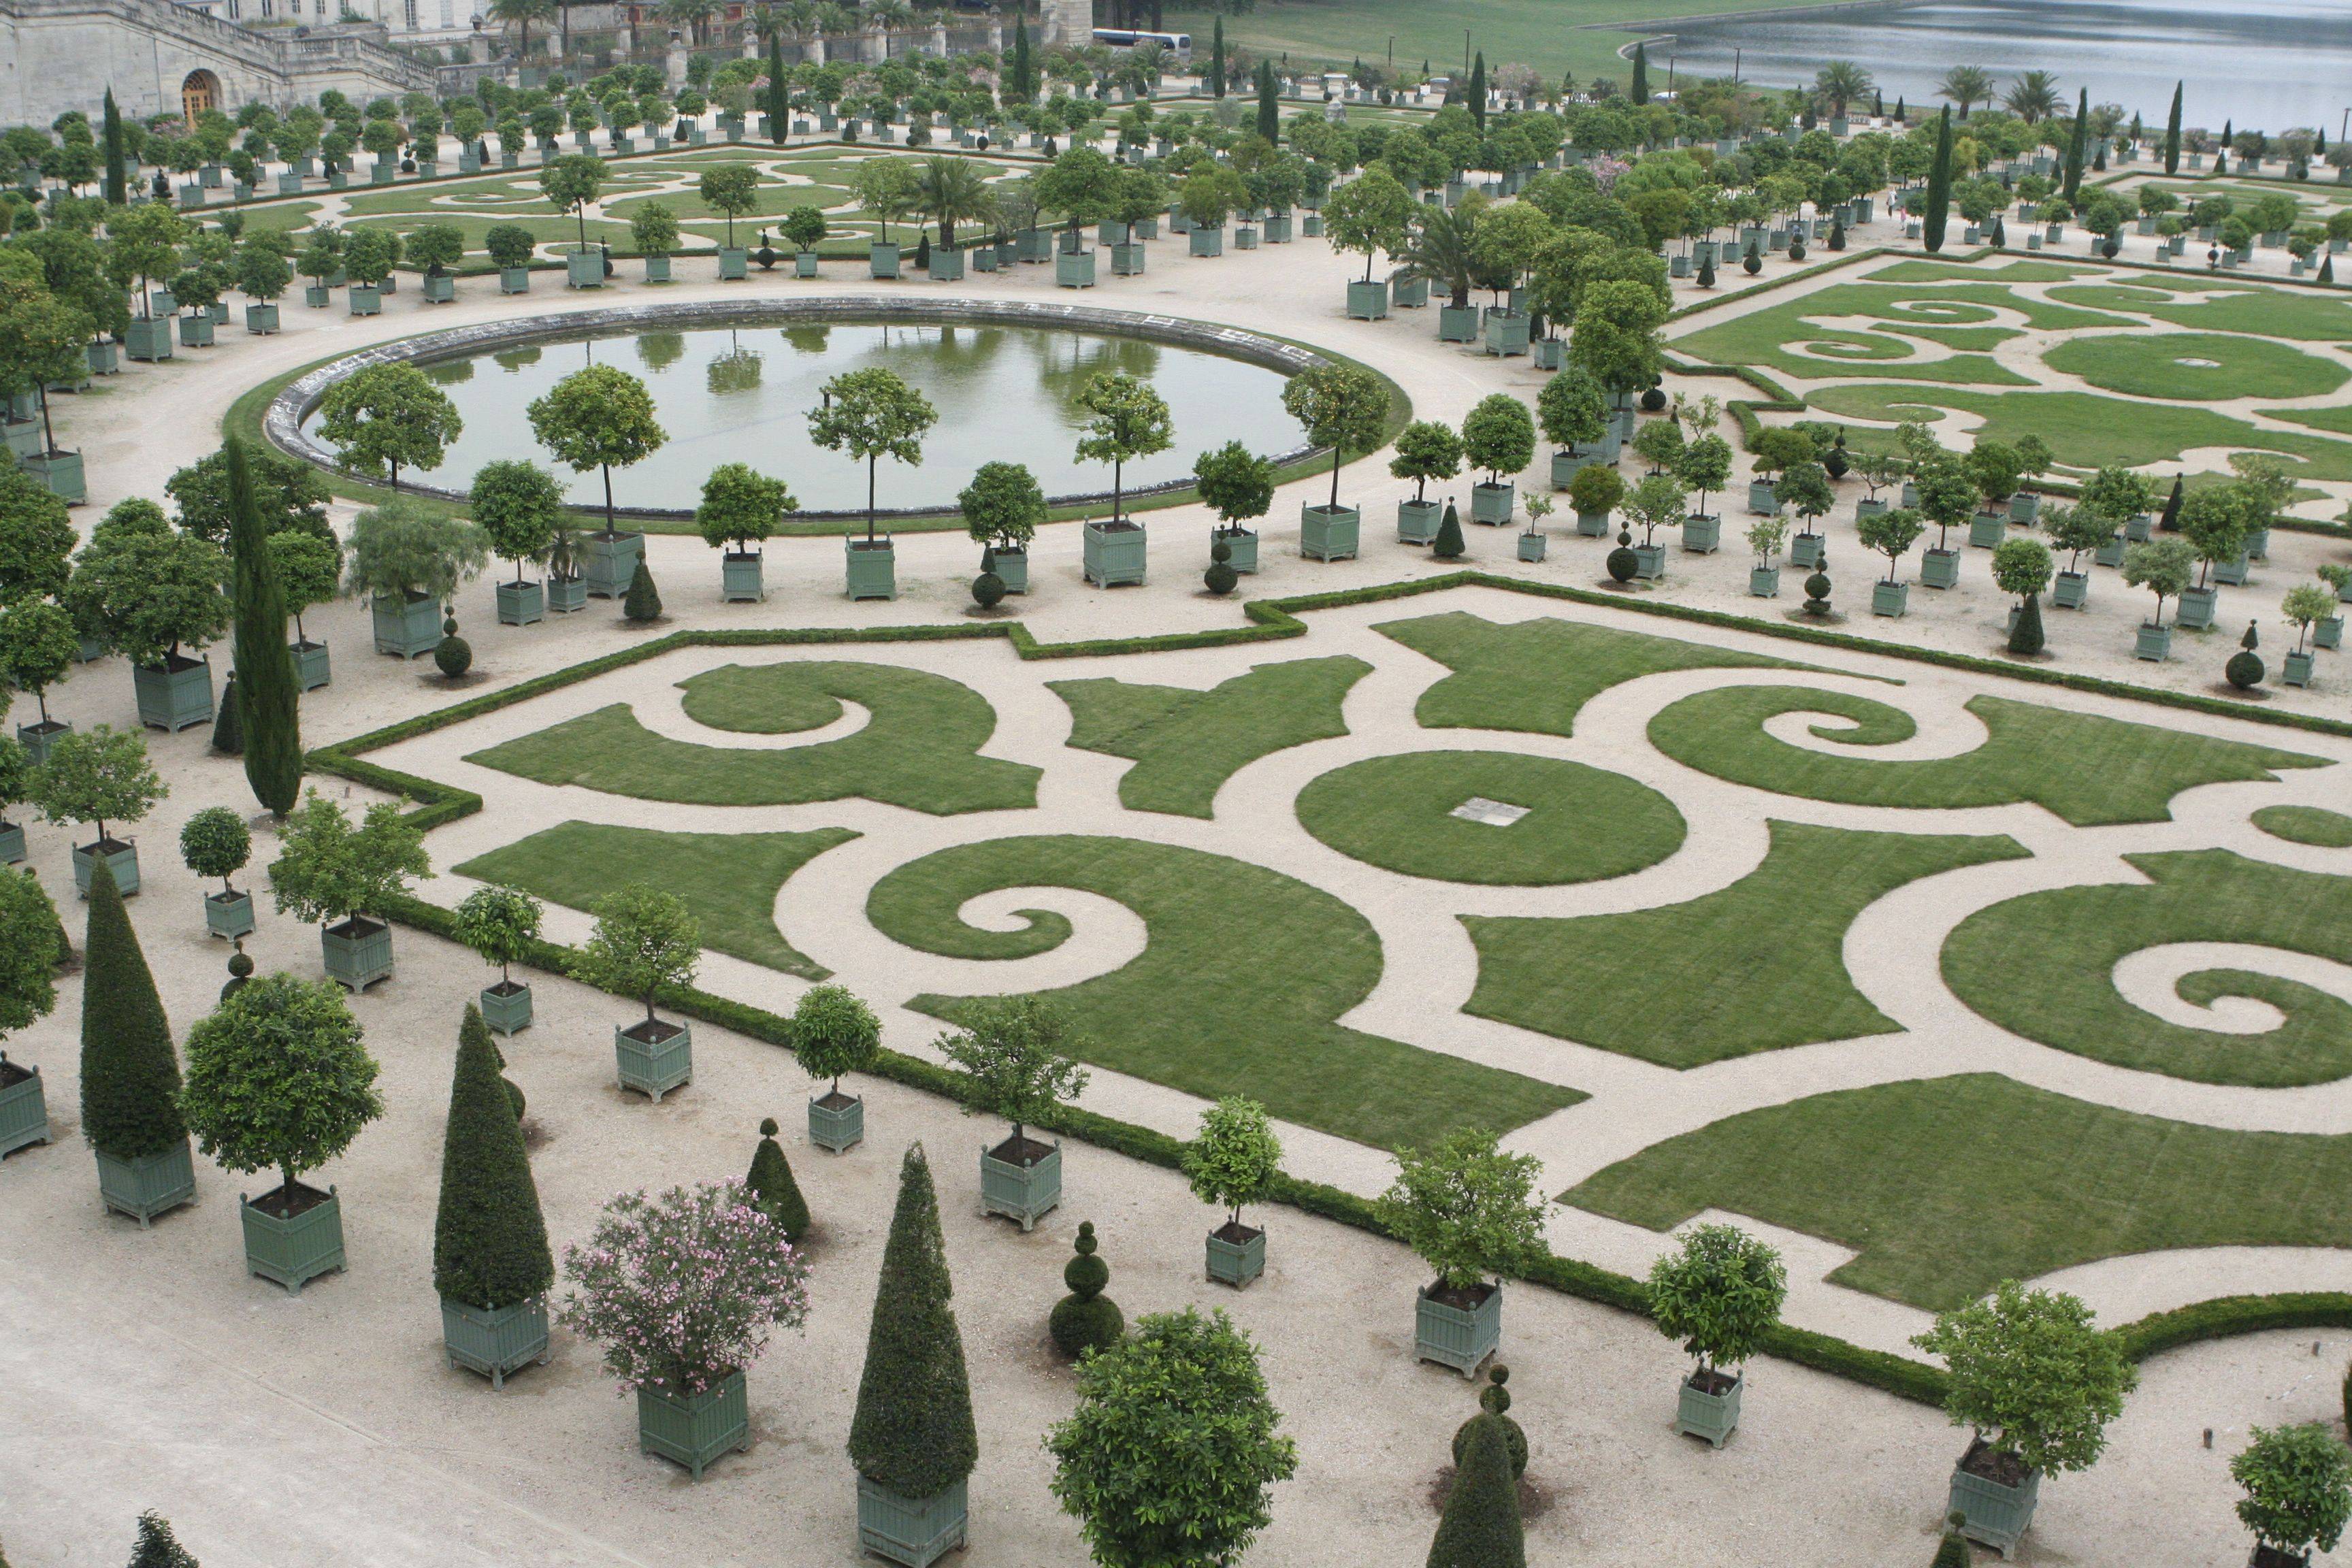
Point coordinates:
[[1179, 44]]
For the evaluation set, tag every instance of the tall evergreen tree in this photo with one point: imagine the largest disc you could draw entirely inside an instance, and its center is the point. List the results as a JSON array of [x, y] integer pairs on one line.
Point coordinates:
[[269, 700], [1939, 185], [1269, 102], [1023, 87], [1217, 59], [772, 1187], [2077, 145], [1478, 91], [1640, 91], [779, 94], [489, 1240], [157, 1547], [2172, 134], [1481, 1526], [913, 1432], [130, 1073], [117, 174]]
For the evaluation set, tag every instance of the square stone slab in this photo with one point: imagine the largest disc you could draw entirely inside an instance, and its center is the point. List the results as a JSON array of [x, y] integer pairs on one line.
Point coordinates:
[[1493, 813]]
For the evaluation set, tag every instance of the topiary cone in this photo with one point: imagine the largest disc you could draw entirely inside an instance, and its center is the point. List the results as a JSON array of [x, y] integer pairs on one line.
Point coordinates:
[[1085, 1319], [130, 1072], [642, 602], [772, 1187], [1481, 1527], [2025, 638], [489, 1240], [1448, 545], [228, 727], [913, 1432]]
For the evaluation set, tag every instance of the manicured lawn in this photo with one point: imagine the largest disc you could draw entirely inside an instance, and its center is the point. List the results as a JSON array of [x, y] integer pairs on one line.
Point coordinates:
[[1236, 993], [918, 751], [2195, 367], [1535, 674], [2039, 967], [2219, 306], [1583, 824], [2090, 770], [1756, 967], [2306, 825], [2019, 271], [1946, 1186], [1187, 743], [727, 879], [1761, 337]]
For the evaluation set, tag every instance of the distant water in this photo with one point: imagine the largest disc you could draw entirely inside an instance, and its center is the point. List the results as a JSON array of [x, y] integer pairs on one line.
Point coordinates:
[[2266, 64]]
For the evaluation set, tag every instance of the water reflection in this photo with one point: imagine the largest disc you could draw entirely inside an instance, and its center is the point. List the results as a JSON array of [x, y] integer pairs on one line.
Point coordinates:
[[659, 351]]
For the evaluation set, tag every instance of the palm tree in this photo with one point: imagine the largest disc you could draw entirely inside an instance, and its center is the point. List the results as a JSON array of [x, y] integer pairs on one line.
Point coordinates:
[[695, 13], [1965, 85], [952, 190], [895, 15], [1439, 250], [1839, 83], [2033, 96], [522, 14]]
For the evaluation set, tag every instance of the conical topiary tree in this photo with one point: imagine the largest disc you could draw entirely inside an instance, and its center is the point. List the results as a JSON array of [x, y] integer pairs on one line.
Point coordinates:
[[130, 1073], [489, 1240], [913, 1433], [1481, 1527], [229, 724], [157, 1547], [1448, 545], [1085, 1319], [772, 1187], [643, 601]]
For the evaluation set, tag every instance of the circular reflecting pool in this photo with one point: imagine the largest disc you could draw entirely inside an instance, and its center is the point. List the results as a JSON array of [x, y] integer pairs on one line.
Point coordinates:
[[742, 393]]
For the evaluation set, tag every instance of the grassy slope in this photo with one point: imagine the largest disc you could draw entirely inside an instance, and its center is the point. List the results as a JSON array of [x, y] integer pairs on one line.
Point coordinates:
[[1583, 824], [2039, 965], [1756, 967], [2151, 366], [2090, 770], [727, 879], [918, 751], [1946, 1186], [1187, 743], [1236, 993]]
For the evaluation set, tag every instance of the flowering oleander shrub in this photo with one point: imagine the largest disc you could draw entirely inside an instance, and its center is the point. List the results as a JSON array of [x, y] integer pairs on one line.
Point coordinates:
[[681, 1290]]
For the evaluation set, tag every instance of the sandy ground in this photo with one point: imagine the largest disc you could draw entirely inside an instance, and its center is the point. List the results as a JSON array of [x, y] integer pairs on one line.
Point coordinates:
[[328, 1429]]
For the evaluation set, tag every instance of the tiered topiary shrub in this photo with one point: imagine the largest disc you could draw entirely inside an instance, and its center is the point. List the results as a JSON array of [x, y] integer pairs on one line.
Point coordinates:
[[491, 1265], [130, 1073], [1086, 1319], [772, 1189], [1481, 1527]]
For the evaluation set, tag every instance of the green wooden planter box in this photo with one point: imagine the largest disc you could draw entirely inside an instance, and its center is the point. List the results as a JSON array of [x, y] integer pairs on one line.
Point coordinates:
[[1940, 568], [915, 1532], [24, 1107], [228, 915], [1236, 1262], [197, 331], [1566, 464], [61, 472], [37, 738], [1368, 301], [1461, 1338], [293, 1252], [584, 269], [1022, 1193], [521, 604], [1011, 566], [261, 320], [1862, 509], [1507, 333], [1702, 535], [506, 1006], [2298, 669], [383, 172], [441, 288], [2328, 632], [1408, 293], [357, 952], [1327, 533], [1277, 228], [1648, 561], [657, 269], [1713, 1416], [514, 279], [1493, 504], [289, 184], [1549, 354], [734, 263], [567, 595], [1075, 269], [1203, 241], [804, 264], [1761, 500], [494, 1340], [1311, 225], [694, 1429], [1889, 598], [149, 1186], [1457, 323], [366, 301], [1764, 582], [121, 859], [1418, 521], [608, 561], [1127, 258], [740, 577], [2258, 545], [1240, 548], [1033, 245], [176, 697], [406, 627], [2025, 507], [1531, 546], [2153, 643], [105, 357], [148, 340], [12, 844], [2070, 590], [1993, 1514], [836, 1121], [1987, 530], [872, 568], [2231, 573], [1114, 552], [946, 265], [1245, 237], [882, 259], [311, 667], [984, 259], [654, 1057], [2197, 608]]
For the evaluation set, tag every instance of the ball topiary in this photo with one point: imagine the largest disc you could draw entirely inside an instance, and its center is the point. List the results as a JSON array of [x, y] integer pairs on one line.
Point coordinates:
[[1220, 578], [642, 602], [1496, 1400], [454, 654], [1655, 400], [1085, 1319], [1623, 563], [1796, 250], [240, 970], [2244, 669], [1817, 591], [1834, 462], [988, 590], [1752, 265]]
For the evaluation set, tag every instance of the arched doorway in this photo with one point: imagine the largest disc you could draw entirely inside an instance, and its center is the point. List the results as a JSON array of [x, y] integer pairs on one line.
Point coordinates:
[[201, 91]]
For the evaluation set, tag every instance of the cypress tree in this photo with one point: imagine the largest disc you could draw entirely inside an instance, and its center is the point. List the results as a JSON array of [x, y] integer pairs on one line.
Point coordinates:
[[772, 1187], [2327, 270], [269, 701], [1269, 102], [2229, 134], [2076, 145], [1902, 115], [913, 1432], [1481, 1527], [1024, 89], [157, 1547], [1217, 59], [2170, 520], [489, 1241], [1448, 546], [130, 1073], [2172, 134], [1939, 184], [643, 601], [778, 97], [117, 174], [228, 725], [2025, 638], [1478, 93], [1640, 90]]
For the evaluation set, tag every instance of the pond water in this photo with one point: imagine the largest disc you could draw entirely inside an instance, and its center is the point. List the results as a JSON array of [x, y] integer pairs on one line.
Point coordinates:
[[742, 395], [2270, 65]]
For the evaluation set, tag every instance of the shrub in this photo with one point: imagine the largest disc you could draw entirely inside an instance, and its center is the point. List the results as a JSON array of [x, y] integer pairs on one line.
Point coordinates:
[[1086, 1319], [130, 1075], [1495, 1400], [28, 946], [913, 1432], [1448, 545], [1720, 1295], [490, 1239], [641, 604], [1236, 1157], [1468, 1208], [2298, 1484], [215, 842], [771, 1186], [157, 1547], [1012, 1048], [1481, 1527], [988, 590], [2032, 1376], [644, 939], [277, 1078], [833, 1033], [500, 923], [331, 870], [682, 1289], [1596, 490]]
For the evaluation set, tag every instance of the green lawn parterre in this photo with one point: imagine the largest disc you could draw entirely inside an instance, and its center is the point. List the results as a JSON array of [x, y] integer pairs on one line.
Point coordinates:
[[2196, 367], [2306, 825]]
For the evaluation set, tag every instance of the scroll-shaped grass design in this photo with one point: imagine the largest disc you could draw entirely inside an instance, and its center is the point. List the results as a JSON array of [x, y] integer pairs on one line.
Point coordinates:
[[1765, 337], [1756, 967], [920, 749], [2306, 825], [1946, 1186], [2090, 770], [2042, 965], [1187, 743], [1236, 992]]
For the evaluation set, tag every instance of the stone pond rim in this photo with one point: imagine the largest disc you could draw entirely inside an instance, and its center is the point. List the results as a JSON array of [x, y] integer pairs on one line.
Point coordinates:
[[293, 402]]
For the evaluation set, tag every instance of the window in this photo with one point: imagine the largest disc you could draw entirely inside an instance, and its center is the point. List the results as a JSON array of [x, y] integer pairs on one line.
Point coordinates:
[[412, 15]]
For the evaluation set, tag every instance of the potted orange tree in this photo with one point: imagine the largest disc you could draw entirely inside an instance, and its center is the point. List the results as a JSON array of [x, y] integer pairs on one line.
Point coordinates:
[[644, 940], [835, 1033], [1345, 408], [1470, 1210], [1016, 1051], [341, 877], [1719, 1295], [29, 931], [501, 924], [1234, 1162]]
